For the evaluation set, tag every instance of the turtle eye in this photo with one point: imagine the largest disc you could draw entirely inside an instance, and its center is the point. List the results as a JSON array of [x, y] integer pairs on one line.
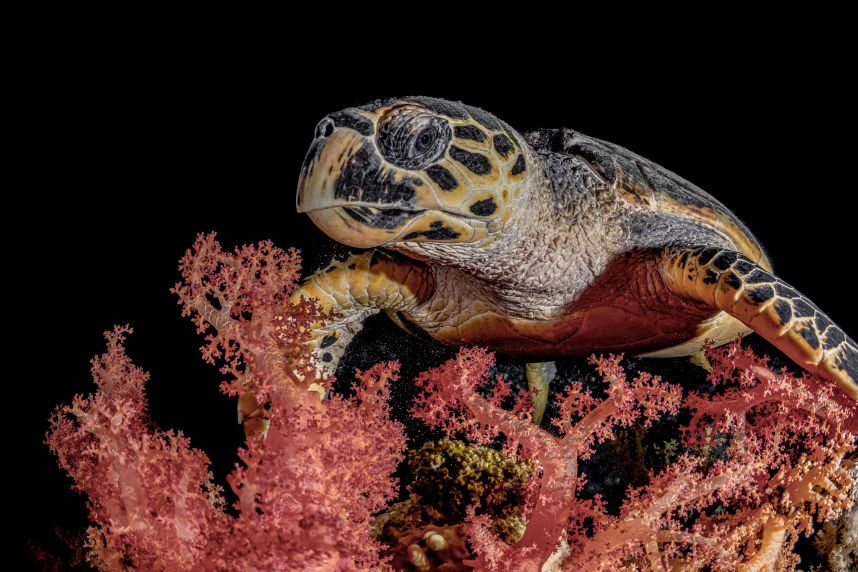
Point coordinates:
[[423, 142], [412, 138]]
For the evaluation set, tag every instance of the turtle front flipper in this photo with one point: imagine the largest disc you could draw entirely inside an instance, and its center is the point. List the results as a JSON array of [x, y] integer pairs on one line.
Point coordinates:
[[350, 291], [735, 284], [355, 288]]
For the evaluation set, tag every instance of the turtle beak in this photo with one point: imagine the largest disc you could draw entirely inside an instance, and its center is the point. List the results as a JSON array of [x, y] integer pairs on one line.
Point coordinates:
[[324, 162], [351, 194]]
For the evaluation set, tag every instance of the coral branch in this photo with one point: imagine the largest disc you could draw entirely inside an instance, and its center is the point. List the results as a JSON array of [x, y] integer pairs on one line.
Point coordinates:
[[780, 441], [305, 495]]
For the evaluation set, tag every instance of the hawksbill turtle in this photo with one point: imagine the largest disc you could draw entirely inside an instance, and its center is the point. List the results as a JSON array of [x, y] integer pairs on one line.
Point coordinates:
[[542, 244]]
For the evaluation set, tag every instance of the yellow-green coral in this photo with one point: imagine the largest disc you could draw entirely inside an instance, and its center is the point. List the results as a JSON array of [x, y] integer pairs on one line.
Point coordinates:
[[450, 475]]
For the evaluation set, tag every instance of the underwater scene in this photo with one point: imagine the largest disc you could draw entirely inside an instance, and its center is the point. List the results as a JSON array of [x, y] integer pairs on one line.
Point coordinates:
[[414, 319]]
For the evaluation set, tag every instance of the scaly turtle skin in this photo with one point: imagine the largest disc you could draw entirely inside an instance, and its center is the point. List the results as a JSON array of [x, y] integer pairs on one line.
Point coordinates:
[[544, 245]]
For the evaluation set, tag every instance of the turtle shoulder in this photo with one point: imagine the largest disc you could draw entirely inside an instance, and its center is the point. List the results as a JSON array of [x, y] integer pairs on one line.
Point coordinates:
[[668, 210]]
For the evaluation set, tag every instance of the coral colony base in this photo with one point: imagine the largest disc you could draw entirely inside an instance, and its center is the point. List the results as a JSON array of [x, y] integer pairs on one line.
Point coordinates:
[[762, 457]]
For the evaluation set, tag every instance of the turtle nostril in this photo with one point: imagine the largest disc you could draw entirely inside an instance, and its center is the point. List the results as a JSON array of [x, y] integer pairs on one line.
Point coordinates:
[[325, 128]]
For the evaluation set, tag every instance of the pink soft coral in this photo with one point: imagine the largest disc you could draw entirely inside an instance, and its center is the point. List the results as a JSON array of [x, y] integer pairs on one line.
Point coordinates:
[[306, 493], [785, 439], [150, 494]]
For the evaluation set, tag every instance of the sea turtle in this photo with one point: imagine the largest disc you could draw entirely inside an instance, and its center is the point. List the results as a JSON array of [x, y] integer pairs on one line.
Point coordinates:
[[544, 244]]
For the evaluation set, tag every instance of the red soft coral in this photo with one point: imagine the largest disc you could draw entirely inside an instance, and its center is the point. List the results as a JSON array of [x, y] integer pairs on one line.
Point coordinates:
[[150, 495], [740, 506], [453, 403], [306, 493]]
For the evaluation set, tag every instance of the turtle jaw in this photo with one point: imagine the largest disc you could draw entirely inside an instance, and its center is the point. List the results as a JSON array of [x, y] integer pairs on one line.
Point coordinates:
[[359, 226]]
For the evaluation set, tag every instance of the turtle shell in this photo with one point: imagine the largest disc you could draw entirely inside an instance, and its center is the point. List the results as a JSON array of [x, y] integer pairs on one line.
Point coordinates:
[[649, 186]]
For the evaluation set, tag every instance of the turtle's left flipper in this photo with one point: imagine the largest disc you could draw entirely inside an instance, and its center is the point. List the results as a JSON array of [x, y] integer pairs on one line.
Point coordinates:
[[539, 376], [735, 284]]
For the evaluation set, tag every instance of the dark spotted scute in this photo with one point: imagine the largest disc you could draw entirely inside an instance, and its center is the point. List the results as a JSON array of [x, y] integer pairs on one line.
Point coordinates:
[[352, 120], [437, 231], [761, 293], [451, 109], [724, 260], [809, 335], [782, 289], [328, 340], [469, 132], [833, 338], [362, 179], [848, 361], [743, 267], [759, 276], [485, 207], [802, 309], [733, 281], [476, 163], [502, 144], [442, 177], [812, 333], [706, 256], [519, 166], [784, 311], [822, 322]]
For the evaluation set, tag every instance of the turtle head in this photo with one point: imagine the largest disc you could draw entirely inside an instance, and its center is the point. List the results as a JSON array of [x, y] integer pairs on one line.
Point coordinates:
[[417, 170]]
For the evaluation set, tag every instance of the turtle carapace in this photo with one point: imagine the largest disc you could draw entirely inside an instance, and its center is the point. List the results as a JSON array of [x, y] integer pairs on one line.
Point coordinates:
[[544, 244]]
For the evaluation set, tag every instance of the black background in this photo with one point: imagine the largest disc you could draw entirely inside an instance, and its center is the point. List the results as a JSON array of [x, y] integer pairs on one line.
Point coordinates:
[[137, 137]]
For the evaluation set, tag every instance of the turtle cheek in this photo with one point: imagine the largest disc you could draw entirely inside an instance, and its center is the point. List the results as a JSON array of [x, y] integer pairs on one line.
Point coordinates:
[[460, 185], [436, 226]]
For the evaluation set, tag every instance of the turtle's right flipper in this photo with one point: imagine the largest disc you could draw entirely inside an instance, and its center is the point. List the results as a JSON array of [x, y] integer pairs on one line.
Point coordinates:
[[732, 282], [352, 289]]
